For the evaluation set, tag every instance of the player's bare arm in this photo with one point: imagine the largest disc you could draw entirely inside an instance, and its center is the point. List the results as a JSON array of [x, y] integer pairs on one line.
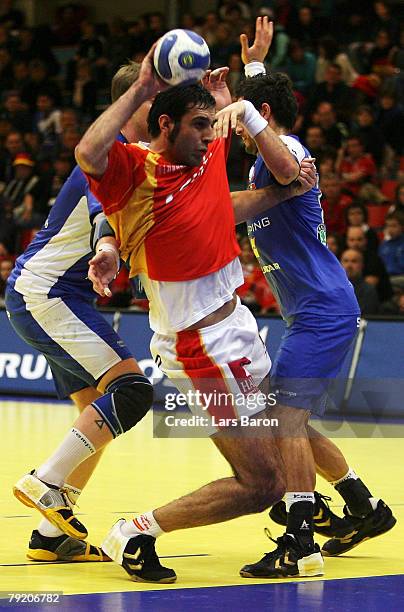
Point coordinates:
[[247, 204], [277, 157], [215, 82], [92, 151]]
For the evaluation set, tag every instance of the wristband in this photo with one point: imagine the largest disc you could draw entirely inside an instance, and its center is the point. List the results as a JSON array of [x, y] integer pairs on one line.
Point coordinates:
[[112, 249], [253, 122], [253, 68]]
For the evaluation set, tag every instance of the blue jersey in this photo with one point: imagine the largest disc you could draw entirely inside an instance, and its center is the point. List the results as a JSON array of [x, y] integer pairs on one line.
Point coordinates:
[[289, 242], [55, 264]]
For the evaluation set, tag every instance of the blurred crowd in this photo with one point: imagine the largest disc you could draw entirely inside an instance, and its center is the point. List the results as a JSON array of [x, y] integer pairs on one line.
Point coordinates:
[[346, 62]]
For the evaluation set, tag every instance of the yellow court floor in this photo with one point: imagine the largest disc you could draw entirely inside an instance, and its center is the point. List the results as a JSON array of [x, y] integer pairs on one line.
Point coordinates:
[[139, 473]]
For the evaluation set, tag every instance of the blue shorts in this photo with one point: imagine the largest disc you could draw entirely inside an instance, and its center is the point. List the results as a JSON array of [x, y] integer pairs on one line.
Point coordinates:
[[77, 342], [310, 357]]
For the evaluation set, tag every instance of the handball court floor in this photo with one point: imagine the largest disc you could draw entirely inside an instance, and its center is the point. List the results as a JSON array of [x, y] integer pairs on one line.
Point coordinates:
[[139, 472]]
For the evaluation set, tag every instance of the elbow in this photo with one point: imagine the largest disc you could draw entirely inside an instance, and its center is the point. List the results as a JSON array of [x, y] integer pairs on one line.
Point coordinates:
[[83, 156], [288, 174]]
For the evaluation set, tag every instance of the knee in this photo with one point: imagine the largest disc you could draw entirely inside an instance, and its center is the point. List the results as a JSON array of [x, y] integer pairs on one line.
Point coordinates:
[[126, 401]]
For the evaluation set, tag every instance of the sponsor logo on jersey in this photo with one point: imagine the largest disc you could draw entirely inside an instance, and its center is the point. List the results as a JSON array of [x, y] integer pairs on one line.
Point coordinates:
[[270, 267], [256, 225], [322, 233]]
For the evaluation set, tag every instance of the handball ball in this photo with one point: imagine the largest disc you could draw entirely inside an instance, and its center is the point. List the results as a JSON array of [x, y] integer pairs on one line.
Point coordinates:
[[181, 56]]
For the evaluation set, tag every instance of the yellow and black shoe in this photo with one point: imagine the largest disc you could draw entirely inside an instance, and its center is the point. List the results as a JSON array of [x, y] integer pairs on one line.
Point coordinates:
[[291, 558], [326, 523], [63, 548], [359, 530], [51, 502]]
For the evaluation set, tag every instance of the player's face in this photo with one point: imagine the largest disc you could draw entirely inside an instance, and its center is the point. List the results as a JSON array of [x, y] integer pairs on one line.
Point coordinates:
[[189, 141], [248, 142]]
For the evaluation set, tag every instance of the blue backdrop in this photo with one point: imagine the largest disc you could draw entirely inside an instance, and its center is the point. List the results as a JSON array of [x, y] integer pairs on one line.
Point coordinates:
[[378, 378]]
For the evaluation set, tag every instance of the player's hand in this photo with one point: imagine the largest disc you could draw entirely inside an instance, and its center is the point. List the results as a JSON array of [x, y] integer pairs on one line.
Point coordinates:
[[307, 178], [148, 77], [215, 82], [227, 118], [264, 31], [102, 270]]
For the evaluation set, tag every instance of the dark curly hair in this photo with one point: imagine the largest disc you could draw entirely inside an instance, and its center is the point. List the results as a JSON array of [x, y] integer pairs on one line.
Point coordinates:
[[175, 102], [276, 90]]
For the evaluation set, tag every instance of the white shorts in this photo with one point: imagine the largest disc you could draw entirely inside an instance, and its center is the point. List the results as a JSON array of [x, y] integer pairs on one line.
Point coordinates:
[[218, 368]]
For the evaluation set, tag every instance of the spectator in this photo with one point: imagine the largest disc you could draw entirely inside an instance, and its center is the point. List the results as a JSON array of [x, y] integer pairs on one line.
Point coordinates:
[[26, 194], [20, 75], [14, 144], [329, 53], [334, 244], [84, 96], [398, 205], [391, 250], [221, 51], [366, 294], [35, 46], [300, 66], [334, 132], [236, 73], [209, 28], [369, 133], [384, 20], [356, 215], [15, 112], [11, 17], [6, 266], [24, 181], [335, 91], [39, 82], [357, 167], [374, 270], [326, 161], [6, 70], [390, 120], [91, 48], [315, 141], [333, 203], [119, 44], [47, 124], [379, 58], [306, 28]]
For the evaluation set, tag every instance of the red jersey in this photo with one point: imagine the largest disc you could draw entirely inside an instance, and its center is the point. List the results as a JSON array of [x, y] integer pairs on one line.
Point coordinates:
[[173, 223]]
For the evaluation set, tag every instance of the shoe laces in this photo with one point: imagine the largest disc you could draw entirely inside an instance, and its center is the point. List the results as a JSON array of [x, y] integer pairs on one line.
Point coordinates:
[[281, 545], [324, 498]]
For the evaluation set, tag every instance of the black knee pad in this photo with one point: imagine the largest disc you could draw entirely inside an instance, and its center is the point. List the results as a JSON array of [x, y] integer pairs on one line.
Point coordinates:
[[126, 401]]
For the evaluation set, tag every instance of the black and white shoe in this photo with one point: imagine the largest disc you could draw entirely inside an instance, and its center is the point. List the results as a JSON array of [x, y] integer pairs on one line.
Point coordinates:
[[291, 558], [137, 555]]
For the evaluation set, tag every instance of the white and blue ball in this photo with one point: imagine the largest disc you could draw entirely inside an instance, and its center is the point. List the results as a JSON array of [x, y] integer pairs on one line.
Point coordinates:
[[181, 56]]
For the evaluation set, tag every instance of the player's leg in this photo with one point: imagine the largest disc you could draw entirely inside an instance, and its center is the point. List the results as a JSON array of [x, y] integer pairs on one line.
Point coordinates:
[[228, 356], [53, 328], [258, 479], [323, 345], [366, 516], [127, 398]]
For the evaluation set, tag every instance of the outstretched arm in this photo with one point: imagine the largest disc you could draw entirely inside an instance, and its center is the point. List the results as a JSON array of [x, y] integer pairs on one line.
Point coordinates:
[[92, 150], [247, 204]]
